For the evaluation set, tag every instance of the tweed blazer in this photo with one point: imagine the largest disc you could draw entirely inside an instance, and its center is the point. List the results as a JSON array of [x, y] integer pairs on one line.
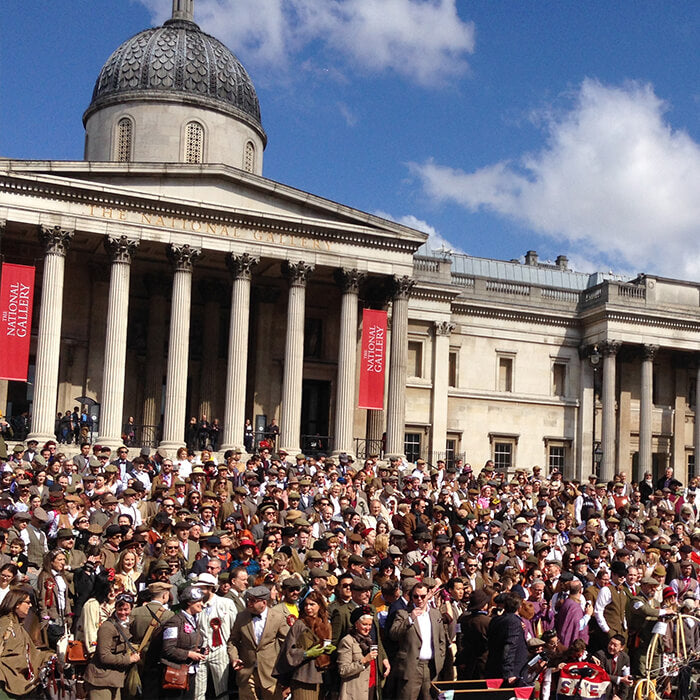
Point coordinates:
[[263, 655]]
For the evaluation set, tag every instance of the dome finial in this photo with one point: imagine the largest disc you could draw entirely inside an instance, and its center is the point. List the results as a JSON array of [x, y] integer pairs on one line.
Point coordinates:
[[183, 9]]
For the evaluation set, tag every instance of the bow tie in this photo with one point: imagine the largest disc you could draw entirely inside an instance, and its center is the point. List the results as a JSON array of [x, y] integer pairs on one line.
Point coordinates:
[[256, 617]]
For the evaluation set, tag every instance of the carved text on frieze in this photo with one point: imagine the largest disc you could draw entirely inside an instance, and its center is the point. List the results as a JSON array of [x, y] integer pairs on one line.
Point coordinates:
[[176, 223]]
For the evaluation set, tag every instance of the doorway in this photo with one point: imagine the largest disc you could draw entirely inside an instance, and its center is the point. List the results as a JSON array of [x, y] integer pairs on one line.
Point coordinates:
[[315, 410]]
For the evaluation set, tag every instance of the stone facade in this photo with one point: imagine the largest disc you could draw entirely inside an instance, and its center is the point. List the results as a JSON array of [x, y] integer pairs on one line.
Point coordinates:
[[171, 289]]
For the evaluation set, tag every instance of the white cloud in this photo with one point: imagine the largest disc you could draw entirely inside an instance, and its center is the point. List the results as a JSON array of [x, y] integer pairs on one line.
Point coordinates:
[[424, 41], [613, 175], [435, 240], [348, 114]]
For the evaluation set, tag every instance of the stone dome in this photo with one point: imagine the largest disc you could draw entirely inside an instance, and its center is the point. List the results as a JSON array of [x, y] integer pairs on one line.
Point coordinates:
[[177, 62]]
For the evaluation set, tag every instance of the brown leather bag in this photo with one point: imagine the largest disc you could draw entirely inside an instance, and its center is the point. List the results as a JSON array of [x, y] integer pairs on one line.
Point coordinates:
[[176, 677], [76, 653]]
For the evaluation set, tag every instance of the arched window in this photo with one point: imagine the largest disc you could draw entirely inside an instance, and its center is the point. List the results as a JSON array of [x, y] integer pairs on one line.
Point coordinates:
[[194, 144], [125, 139], [249, 157]]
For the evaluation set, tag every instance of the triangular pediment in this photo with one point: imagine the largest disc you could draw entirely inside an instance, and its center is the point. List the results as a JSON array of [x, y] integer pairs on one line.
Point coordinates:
[[210, 187]]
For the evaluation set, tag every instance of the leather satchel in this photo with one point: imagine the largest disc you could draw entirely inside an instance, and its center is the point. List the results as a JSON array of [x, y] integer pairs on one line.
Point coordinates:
[[176, 677], [76, 653]]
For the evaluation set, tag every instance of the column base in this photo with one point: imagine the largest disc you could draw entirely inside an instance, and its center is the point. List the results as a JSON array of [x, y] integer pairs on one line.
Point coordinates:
[[291, 452], [170, 447], [245, 456], [112, 442], [41, 438]]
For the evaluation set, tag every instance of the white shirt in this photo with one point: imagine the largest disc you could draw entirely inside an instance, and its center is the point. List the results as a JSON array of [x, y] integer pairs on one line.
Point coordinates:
[[131, 510], [61, 588], [426, 634], [259, 625]]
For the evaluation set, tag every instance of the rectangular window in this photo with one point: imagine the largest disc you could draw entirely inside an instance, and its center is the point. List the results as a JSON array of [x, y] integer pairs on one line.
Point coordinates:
[[691, 467], [505, 374], [559, 379], [692, 391], [415, 358], [411, 446], [556, 458], [313, 338], [503, 455], [450, 450], [452, 369]]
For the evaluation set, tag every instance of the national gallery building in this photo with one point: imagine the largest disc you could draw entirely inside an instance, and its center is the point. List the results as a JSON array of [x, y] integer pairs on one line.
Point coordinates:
[[173, 279]]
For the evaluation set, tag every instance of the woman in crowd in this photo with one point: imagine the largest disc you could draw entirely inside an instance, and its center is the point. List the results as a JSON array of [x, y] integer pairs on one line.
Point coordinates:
[[54, 596], [96, 610], [40, 488], [358, 659], [126, 572], [20, 660], [106, 672], [183, 463], [193, 502], [8, 574], [488, 569], [446, 569], [306, 649], [181, 644]]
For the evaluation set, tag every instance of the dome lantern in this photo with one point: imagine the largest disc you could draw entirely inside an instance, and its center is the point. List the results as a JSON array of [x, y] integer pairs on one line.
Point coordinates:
[[183, 9]]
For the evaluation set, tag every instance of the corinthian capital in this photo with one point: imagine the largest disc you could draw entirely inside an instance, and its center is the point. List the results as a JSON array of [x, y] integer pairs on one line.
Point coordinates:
[[297, 273], [183, 257], [120, 248], [443, 327], [241, 266], [56, 240], [349, 280], [649, 351], [402, 287], [610, 347]]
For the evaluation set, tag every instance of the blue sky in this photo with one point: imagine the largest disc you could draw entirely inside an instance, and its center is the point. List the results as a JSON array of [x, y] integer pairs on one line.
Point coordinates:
[[568, 128]]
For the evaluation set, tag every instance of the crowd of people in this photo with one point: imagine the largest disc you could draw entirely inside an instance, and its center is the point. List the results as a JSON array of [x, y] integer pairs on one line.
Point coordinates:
[[275, 575]]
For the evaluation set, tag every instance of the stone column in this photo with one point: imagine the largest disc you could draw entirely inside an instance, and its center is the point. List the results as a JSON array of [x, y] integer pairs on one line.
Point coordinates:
[[290, 414], [120, 250], [241, 267], [584, 423], [56, 242], [645, 407], [441, 378], [609, 349], [213, 294], [396, 402], [696, 431], [183, 258], [349, 281], [157, 290]]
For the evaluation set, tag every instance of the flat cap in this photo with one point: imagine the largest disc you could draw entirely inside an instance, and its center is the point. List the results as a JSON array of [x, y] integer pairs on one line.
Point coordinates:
[[361, 584], [258, 592], [318, 572]]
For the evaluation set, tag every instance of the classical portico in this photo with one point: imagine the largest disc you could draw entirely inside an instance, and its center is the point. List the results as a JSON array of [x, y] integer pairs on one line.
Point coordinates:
[[226, 255]]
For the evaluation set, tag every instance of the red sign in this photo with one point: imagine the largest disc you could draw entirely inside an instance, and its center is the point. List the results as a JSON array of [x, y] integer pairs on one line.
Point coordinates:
[[373, 360], [16, 298]]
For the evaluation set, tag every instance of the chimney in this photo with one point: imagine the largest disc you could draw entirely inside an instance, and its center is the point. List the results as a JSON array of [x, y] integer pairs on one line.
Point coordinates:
[[562, 262], [531, 257]]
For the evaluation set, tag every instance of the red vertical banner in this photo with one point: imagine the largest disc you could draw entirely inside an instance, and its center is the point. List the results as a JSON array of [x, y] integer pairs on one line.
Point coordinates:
[[373, 359], [16, 299]]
